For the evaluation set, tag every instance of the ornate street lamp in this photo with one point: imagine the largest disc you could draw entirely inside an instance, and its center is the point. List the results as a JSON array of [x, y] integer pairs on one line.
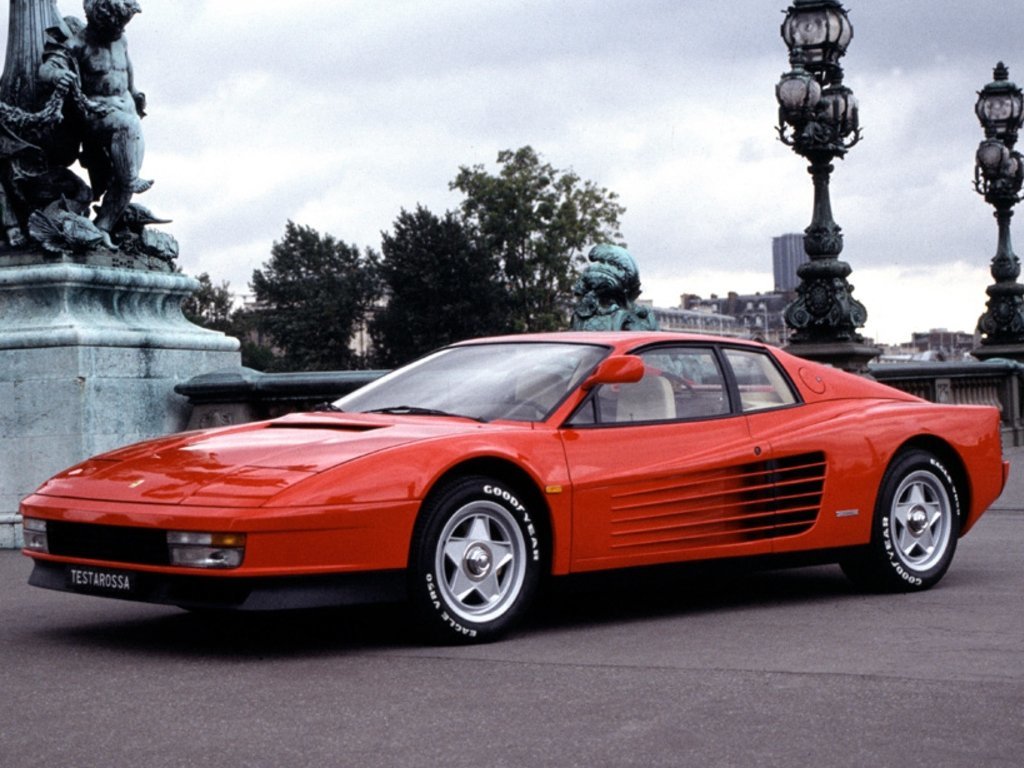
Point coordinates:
[[818, 119], [998, 174]]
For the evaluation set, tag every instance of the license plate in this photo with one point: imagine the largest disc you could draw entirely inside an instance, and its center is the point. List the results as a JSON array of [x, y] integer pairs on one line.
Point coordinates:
[[87, 579]]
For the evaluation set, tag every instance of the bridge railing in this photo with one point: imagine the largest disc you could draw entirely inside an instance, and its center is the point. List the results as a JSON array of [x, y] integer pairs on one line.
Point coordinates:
[[994, 382], [241, 395]]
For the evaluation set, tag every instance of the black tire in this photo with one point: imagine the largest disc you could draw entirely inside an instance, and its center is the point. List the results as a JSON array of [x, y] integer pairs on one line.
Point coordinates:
[[476, 560], [915, 527]]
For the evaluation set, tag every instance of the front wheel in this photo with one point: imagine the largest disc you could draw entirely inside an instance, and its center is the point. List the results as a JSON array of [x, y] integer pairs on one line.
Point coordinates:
[[915, 529], [475, 561]]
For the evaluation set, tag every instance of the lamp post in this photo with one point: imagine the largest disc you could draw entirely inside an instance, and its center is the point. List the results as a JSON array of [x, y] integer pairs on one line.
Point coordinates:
[[998, 174], [818, 119]]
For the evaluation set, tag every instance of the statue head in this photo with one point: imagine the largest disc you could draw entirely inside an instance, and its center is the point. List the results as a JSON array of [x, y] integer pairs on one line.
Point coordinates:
[[612, 275], [606, 293], [110, 15], [609, 284]]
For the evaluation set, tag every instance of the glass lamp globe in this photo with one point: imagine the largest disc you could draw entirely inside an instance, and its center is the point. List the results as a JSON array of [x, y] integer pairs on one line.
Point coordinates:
[[820, 28], [1000, 107]]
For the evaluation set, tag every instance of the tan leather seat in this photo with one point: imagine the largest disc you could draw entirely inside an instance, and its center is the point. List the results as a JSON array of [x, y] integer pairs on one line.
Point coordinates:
[[649, 399]]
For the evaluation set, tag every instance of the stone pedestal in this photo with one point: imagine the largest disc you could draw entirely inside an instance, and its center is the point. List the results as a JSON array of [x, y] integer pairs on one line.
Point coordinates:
[[89, 357], [1013, 352]]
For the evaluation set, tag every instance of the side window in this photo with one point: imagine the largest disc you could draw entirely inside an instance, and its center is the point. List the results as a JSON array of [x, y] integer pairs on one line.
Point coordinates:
[[679, 383], [761, 384]]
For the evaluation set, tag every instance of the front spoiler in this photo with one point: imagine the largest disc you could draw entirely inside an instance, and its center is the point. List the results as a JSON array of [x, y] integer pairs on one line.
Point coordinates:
[[239, 594]]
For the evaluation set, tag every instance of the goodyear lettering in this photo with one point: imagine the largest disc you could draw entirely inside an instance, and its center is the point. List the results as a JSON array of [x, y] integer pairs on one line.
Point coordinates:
[[893, 560], [531, 530], [501, 493]]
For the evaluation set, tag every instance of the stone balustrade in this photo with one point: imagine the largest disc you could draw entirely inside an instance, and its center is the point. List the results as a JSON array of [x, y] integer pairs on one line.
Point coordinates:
[[994, 382], [241, 395]]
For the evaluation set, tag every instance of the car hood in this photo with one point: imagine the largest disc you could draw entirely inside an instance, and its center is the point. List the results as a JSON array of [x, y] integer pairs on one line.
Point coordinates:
[[246, 465]]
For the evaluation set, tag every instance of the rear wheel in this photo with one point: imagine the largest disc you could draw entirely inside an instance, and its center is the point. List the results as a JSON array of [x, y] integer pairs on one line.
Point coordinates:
[[915, 528], [475, 562]]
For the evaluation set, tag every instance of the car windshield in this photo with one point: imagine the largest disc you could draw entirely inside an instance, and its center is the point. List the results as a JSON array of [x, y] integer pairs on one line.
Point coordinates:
[[520, 381]]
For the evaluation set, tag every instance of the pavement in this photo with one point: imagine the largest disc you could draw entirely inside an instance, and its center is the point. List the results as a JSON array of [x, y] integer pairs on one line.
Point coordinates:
[[777, 668]]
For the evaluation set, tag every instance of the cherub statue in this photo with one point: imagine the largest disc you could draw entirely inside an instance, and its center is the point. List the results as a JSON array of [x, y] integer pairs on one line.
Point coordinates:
[[606, 293], [91, 61]]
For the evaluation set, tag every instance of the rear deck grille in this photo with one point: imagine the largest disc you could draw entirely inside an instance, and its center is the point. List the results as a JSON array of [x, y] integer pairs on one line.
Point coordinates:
[[113, 543]]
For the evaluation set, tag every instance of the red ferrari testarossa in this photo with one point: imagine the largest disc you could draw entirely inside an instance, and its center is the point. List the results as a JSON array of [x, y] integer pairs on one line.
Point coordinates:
[[461, 480]]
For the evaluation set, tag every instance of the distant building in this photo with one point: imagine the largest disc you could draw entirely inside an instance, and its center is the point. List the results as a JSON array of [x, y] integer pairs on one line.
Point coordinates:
[[761, 316], [753, 316], [940, 344], [936, 345], [699, 320], [757, 316], [787, 255]]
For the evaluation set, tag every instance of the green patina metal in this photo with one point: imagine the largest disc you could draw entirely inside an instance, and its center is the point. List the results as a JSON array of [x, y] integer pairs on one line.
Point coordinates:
[[607, 291], [818, 119], [68, 95], [998, 176]]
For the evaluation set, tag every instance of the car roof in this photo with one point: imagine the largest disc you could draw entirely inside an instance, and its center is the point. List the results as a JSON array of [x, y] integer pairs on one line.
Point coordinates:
[[616, 339]]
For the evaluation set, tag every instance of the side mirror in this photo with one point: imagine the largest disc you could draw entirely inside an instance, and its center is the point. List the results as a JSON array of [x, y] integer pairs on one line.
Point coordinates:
[[622, 369]]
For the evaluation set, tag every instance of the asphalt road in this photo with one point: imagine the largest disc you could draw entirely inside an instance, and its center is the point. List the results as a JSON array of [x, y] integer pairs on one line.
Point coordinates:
[[688, 668]]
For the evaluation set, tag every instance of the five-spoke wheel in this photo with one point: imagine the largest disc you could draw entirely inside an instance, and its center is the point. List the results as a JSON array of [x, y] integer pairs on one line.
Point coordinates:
[[480, 561], [921, 520], [915, 529], [476, 560]]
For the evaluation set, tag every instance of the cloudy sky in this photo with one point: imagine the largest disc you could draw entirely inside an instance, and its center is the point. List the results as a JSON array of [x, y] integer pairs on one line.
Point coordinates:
[[339, 113]]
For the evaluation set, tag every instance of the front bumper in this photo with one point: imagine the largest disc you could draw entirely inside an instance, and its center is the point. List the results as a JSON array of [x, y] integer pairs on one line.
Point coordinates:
[[213, 593]]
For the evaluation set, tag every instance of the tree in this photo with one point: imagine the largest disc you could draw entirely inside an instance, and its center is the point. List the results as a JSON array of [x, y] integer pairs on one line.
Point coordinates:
[[536, 221], [211, 305], [440, 288], [311, 296], [256, 352]]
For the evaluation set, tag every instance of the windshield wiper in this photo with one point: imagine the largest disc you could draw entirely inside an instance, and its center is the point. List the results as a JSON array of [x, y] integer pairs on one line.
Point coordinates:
[[327, 407], [415, 410]]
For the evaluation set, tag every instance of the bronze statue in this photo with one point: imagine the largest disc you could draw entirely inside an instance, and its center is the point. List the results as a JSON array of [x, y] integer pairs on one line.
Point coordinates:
[[23, 168], [607, 291], [92, 62], [68, 95]]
